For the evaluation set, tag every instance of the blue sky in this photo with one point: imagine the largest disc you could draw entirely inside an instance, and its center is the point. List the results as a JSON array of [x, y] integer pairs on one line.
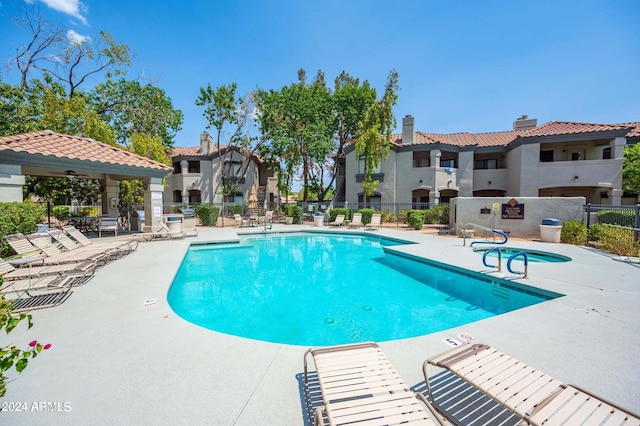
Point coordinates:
[[464, 65]]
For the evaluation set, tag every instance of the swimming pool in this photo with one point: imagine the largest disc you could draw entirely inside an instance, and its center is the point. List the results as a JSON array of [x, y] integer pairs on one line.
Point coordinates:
[[323, 289]]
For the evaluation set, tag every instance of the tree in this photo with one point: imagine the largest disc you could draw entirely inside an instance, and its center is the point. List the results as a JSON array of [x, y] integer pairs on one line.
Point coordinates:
[[352, 101], [631, 169], [374, 134], [84, 58], [302, 135], [42, 45], [20, 108], [132, 108]]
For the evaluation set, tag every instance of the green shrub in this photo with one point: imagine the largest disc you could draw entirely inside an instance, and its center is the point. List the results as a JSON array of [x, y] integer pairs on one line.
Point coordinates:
[[617, 217], [89, 212], [18, 217], [403, 216], [596, 231], [573, 232], [415, 218], [387, 216], [338, 210], [207, 214], [616, 240], [437, 215], [291, 210], [60, 212], [234, 209], [366, 214]]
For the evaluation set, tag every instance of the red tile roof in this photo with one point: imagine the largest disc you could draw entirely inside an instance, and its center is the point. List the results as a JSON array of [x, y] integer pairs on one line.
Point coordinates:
[[554, 128], [461, 139], [50, 144], [194, 151], [185, 152]]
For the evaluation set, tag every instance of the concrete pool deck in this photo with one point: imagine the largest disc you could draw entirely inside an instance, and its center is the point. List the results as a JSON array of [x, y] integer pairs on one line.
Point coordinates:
[[115, 361]]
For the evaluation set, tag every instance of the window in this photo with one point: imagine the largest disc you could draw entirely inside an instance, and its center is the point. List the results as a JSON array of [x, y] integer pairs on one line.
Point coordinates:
[[194, 196], [194, 167], [485, 164], [448, 163], [361, 166], [176, 168], [177, 196], [421, 159], [606, 154], [546, 156], [576, 156]]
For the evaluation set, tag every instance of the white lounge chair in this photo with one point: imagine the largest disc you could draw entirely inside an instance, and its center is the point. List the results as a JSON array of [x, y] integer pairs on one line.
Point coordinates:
[[375, 222], [338, 222], [58, 286], [360, 386], [356, 221], [530, 394]]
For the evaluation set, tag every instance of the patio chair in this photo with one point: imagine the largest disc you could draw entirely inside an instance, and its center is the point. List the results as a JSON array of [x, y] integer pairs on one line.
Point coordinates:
[[356, 221], [9, 272], [39, 245], [338, 222], [359, 385], [109, 224], [59, 284], [240, 221], [534, 396], [57, 256], [124, 247], [375, 222]]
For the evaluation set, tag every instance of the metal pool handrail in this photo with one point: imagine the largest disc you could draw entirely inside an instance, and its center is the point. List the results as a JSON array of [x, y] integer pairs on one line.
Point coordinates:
[[486, 253], [524, 274], [495, 231]]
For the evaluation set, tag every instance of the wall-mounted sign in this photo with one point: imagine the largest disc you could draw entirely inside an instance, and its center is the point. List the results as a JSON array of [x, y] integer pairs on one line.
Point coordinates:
[[513, 210], [496, 207], [485, 210]]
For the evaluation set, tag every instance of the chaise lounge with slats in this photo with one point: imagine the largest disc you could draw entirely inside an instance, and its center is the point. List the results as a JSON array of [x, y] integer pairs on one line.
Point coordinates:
[[534, 396], [360, 386]]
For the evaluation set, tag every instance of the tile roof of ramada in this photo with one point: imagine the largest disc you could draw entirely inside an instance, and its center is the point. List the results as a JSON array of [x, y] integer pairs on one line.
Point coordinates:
[[51, 144]]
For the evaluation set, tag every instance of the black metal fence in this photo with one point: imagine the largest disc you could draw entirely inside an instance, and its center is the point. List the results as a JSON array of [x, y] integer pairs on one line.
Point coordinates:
[[624, 217]]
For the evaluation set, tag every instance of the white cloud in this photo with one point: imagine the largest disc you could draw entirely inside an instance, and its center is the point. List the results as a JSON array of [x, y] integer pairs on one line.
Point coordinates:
[[74, 8], [76, 38]]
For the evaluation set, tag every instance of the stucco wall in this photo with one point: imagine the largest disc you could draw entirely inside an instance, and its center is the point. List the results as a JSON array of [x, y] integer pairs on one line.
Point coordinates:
[[468, 210]]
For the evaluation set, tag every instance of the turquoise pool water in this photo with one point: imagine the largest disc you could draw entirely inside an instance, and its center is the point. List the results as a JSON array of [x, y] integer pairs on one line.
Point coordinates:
[[325, 289]]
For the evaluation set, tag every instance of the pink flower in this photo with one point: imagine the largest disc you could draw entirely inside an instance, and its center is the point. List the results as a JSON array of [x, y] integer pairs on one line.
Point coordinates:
[[32, 344], [47, 346]]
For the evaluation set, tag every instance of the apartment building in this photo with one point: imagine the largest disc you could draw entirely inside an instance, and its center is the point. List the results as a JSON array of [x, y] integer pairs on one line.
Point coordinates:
[[556, 159], [197, 175]]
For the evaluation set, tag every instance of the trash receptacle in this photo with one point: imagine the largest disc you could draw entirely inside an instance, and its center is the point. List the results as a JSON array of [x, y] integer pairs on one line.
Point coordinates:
[[318, 219], [550, 230]]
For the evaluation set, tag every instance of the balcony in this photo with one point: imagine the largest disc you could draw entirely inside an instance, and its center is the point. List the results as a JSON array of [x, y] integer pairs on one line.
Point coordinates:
[[596, 173]]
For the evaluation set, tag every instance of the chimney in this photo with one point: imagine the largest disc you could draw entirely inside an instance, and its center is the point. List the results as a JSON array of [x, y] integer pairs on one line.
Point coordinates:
[[205, 143], [407, 130], [525, 123]]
